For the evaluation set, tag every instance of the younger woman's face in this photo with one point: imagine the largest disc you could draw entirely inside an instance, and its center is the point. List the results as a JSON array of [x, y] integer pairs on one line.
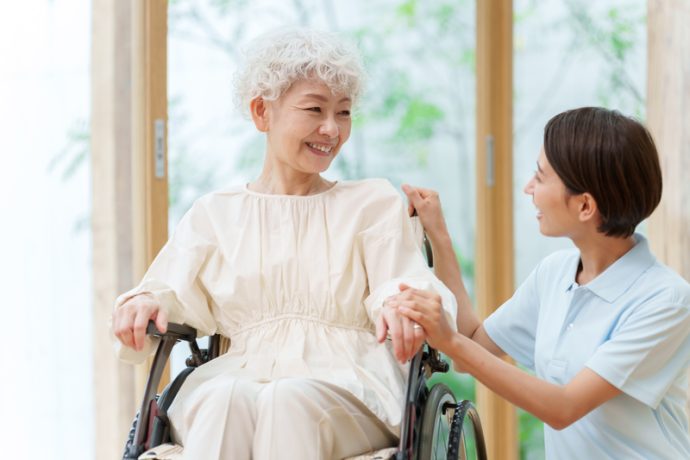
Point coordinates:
[[556, 212]]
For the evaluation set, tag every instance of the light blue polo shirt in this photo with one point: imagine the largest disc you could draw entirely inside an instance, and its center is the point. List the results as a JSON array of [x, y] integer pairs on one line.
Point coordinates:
[[630, 325]]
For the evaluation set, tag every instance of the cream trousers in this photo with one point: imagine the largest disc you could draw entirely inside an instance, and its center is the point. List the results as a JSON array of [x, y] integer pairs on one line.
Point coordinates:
[[228, 418]]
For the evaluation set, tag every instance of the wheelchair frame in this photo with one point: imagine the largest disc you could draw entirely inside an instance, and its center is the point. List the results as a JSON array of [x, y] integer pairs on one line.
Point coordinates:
[[418, 430], [151, 426]]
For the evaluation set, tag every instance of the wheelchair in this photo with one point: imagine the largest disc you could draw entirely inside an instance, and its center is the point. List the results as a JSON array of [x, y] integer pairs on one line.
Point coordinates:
[[434, 424]]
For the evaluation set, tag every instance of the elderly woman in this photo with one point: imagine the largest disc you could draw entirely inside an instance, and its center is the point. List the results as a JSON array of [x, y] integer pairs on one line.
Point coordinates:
[[294, 269]]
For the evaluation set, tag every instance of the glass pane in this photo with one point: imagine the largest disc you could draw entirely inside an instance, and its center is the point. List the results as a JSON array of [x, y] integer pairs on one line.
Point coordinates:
[[567, 55], [45, 271]]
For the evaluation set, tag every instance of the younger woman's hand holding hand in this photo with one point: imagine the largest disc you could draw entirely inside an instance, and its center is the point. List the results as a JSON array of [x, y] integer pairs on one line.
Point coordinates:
[[425, 308]]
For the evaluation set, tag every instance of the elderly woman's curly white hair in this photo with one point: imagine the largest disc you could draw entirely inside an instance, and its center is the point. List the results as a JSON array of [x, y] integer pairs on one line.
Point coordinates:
[[276, 60]]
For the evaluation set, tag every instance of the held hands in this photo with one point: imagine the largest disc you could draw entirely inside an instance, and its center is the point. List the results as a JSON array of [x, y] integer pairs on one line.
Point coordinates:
[[132, 317], [424, 308], [406, 335]]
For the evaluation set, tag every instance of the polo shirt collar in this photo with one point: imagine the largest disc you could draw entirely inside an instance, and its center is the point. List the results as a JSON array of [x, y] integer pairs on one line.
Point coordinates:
[[618, 277]]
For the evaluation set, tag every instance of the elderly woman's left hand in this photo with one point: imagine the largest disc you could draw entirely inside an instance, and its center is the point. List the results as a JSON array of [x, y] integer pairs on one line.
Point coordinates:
[[406, 335]]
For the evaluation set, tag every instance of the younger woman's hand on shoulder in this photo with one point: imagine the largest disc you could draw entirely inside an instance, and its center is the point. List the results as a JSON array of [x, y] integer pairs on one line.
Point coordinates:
[[426, 309], [428, 206]]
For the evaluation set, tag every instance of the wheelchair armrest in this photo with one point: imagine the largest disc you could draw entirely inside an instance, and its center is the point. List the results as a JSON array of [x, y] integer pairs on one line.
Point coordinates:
[[175, 331], [174, 334]]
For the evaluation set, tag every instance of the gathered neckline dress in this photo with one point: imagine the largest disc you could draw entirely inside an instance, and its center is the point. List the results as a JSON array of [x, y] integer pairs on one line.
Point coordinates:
[[296, 283]]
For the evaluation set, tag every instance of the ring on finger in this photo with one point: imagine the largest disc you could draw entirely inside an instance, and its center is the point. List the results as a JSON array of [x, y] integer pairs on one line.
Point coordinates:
[[416, 326]]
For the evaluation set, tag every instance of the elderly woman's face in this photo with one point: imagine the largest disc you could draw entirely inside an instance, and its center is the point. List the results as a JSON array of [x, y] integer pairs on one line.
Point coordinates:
[[307, 126]]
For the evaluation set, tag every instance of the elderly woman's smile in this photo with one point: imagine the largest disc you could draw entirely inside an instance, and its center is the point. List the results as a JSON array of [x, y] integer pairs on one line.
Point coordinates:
[[323, 150]]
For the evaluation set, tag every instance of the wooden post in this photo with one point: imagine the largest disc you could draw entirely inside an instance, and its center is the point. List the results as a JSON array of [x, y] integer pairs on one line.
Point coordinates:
[[494, 252], [149, 143], [111, 215], [130, 203], [668, 99]]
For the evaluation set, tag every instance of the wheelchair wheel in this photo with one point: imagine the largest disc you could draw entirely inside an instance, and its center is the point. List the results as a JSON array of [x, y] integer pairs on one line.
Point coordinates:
[[436, 423], [466, 436]]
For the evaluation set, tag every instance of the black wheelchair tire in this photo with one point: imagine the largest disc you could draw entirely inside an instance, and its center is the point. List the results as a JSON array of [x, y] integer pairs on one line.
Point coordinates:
[[434, 417], [465, 413], [128, 454]]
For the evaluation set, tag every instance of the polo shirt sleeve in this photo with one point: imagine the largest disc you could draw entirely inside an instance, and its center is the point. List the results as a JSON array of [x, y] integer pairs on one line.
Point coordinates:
[[647, 352], [513, 326]]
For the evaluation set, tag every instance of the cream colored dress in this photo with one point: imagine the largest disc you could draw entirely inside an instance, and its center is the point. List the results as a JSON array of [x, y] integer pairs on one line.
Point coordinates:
[[296, 283]]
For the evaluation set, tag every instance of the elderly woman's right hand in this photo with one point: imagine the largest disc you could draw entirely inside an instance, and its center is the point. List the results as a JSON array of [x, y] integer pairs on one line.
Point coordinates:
[[428, 206], [426, 309], [132, 317], [405, 338]]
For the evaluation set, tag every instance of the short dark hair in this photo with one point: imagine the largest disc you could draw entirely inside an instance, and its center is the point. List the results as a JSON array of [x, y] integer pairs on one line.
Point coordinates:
[[612, 157]]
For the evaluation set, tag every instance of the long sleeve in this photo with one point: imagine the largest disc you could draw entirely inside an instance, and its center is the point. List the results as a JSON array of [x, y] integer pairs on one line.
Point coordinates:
[[173, 279], [392, 256]]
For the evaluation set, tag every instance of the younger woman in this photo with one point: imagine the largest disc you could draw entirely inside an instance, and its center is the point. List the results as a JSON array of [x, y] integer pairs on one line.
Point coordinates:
[[604, 327]]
